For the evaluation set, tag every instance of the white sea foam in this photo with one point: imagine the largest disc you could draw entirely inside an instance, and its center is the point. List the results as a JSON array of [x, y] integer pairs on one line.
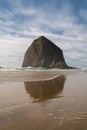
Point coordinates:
[[36, 69]]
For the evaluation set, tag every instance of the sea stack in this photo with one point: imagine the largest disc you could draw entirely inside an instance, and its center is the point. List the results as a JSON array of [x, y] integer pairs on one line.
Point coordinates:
[[44, 53]]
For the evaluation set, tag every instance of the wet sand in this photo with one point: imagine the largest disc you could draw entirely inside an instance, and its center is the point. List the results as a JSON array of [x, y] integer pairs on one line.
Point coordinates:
[[43, 100], [11, 76]]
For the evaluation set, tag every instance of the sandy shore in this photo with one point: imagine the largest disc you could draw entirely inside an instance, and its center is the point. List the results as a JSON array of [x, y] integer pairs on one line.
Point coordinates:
[[32, 75], [43, 100]]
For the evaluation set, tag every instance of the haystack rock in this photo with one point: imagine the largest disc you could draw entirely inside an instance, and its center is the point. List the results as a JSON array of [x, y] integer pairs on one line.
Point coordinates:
[[44, 53]]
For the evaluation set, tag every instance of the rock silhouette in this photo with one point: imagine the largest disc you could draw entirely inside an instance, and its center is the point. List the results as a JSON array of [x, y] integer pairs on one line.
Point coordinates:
[[44, 53]]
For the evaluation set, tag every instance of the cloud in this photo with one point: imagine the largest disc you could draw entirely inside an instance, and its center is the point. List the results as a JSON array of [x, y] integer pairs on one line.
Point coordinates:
[[83, 14], [21, 24], [74, 54]]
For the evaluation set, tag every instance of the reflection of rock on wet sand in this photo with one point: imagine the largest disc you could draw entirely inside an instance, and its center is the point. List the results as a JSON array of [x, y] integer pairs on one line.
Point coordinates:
[[43, 90]]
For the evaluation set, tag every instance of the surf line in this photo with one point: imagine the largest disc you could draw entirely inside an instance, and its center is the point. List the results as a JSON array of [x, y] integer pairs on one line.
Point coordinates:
[[47, 79]]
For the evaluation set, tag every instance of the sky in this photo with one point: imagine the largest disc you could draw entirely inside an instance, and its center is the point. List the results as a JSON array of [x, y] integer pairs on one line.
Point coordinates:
[[62, 21]]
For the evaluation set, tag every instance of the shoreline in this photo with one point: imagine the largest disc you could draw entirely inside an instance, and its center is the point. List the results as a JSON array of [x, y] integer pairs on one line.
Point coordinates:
[[57, 98], [15, 76]]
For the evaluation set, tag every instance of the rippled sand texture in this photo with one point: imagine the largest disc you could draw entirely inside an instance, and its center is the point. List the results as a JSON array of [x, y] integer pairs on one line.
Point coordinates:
[[58, 103]]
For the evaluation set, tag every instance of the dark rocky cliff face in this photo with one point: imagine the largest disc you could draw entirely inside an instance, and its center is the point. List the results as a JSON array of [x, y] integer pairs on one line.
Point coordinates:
[[44, 53]]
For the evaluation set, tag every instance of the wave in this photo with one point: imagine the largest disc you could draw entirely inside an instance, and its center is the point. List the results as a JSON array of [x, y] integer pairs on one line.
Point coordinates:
[[29, 68]]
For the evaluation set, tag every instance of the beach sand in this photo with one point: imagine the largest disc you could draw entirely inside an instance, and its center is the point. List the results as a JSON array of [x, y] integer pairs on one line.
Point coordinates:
[[43, 100]]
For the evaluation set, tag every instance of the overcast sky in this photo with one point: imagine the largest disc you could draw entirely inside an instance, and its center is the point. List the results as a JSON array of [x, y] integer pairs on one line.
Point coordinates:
[[62, 21]]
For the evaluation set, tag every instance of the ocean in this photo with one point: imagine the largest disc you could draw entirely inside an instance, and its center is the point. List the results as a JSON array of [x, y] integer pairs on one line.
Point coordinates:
[[40, 69]]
